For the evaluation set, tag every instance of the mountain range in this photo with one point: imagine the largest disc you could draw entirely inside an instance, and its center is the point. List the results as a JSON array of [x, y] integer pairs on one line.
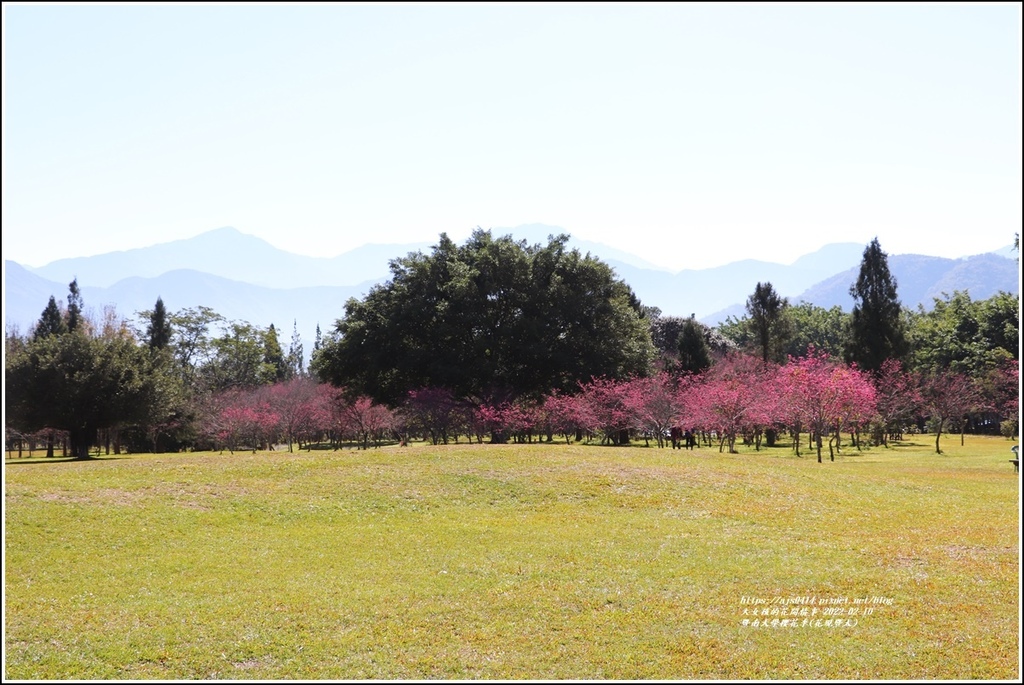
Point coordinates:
[[244, 278]]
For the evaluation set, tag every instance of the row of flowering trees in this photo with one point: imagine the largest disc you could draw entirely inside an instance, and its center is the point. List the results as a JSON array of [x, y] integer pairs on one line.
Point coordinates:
[[739, 398]]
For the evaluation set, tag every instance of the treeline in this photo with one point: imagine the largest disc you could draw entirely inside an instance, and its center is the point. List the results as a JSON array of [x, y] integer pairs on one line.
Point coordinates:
[[502, 340]]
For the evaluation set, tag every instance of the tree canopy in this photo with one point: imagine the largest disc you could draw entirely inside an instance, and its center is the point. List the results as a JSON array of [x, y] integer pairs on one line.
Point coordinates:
[[876, 323], [490, 320]]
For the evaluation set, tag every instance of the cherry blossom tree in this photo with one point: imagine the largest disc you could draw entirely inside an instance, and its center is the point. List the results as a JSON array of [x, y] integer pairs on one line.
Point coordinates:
[[436, 412], [366, 419], [898, 400], [948, 397], [608, 410], [295, 402], [825, 396], [654, 404]]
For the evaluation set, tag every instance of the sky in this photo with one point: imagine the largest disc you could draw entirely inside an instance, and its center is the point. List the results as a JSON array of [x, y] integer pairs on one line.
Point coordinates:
[[691, 135]]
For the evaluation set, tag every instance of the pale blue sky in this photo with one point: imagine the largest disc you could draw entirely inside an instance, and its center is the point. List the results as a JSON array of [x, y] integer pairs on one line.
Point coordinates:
[[692, 135]]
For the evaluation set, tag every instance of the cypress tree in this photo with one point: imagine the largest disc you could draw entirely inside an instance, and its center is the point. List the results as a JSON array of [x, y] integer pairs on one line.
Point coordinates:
[[74, 305], [876, 326], [159, 330]]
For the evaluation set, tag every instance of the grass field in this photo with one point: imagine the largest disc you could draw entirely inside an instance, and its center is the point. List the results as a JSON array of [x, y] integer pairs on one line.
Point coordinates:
[[516, 561]]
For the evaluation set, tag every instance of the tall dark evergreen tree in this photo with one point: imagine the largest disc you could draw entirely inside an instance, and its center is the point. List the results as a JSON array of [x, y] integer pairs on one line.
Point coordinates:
[[74, 305], [694, 353], [51, 322], [876, 323], [159, 330], [767, 312], [273, 355]]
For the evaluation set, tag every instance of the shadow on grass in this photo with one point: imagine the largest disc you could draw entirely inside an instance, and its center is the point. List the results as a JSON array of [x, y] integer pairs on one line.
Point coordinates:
[[27, 461]]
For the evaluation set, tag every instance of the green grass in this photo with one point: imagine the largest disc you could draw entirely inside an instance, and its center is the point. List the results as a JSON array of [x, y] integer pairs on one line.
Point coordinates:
[[515, 561]]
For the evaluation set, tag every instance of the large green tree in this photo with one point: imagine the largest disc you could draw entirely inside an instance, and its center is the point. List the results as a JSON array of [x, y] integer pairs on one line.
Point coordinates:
[[694, 352], [768, 322], [80, 383], [966, 336], [877, 330], [489, 320], [239, 359], [812, 326]]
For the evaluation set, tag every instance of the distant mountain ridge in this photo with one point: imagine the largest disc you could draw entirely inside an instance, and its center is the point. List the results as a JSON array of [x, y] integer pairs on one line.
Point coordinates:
[[245, 278]]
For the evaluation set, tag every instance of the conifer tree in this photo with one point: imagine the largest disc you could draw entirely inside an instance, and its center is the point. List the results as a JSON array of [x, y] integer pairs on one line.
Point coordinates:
[[294, 359], [51, 322], [767, 311], [159, 330], [876, 326], [694, 355], [74, 305]]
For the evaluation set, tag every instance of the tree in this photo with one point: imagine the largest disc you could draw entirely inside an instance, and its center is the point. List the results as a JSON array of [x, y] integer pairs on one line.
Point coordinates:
[[811, 326], [239, 359], [79, 383], [75, 305], [767, 312], [824, 396], [491, 321], [295, 402], [694, 353], [294, 360], [273, 356], [962, 335], [434, 412], [51, 322], [191, 340], [949, 397], [876, 323], [899, 399], [159, 331]]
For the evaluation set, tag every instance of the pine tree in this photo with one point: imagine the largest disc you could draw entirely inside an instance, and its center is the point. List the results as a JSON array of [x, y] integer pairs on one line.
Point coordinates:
[[159, 330], [295, 360], [876, 325], [74, 305], [767, 311], [272, 354], [51, 322]]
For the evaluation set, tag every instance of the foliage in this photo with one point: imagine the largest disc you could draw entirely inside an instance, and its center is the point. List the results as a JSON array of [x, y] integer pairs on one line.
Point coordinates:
[[898, 399], [970, 337], [770, 327], [492, 320], [273, 356], [876, 323], [51, 322], [811, 326], [949, 397], [694, 350], [826, 397], [159, 331], [79, 383], [294, 360]]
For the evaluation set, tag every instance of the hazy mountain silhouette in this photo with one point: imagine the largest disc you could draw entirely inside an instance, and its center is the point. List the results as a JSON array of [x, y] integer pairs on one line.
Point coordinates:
[[245, 278]]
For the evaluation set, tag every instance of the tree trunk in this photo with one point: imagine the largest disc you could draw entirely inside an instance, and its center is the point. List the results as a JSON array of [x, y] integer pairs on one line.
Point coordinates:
[[81, 441]]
